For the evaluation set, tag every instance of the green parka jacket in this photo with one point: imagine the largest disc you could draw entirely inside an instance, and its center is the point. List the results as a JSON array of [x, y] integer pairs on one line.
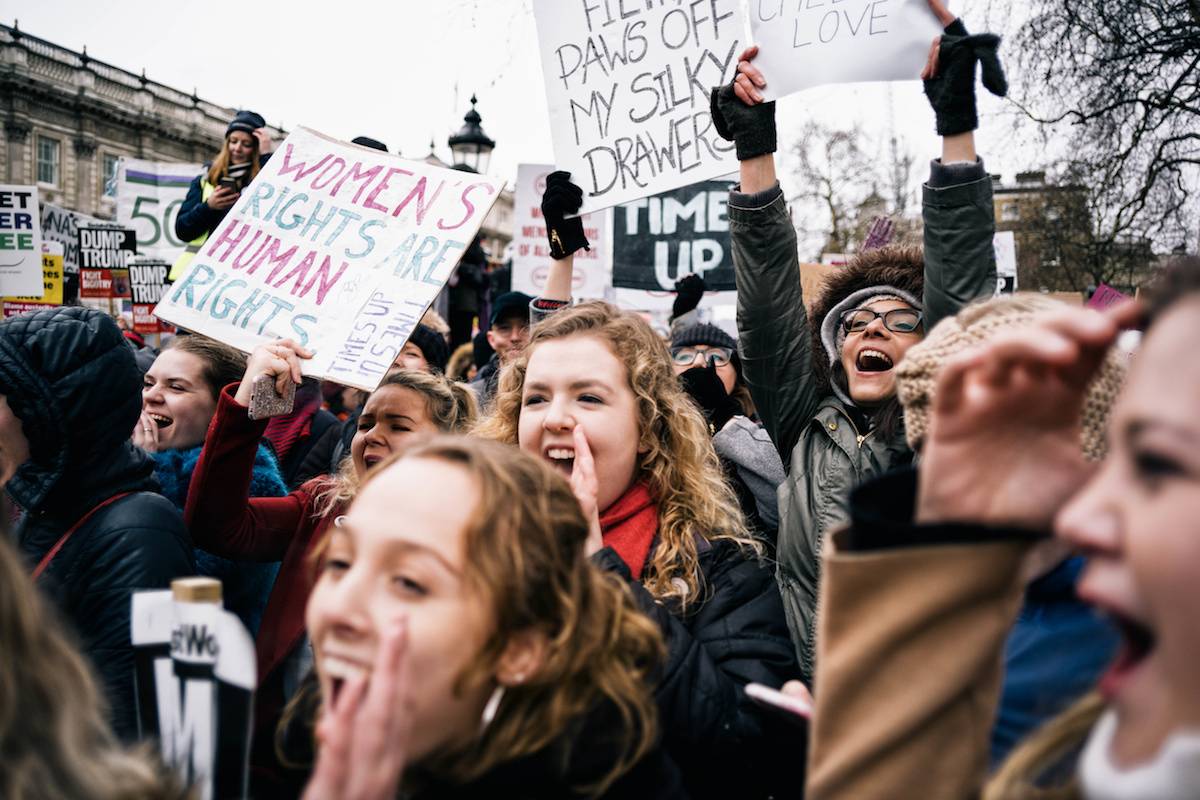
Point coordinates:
[[825, 452]]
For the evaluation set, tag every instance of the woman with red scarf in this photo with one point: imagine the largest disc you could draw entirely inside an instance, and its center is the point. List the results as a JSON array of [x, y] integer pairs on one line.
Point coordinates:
[[594, 394]]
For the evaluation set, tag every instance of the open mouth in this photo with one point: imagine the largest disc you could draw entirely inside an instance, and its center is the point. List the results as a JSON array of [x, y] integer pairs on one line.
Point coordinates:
[[339, 671], [160, 420], [1137, 643], [561, 458], [371, 461], [872, 360]]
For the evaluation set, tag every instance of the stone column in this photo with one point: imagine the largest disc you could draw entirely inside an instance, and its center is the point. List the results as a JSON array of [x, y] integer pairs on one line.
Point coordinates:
[[85, 176], [16, 132]]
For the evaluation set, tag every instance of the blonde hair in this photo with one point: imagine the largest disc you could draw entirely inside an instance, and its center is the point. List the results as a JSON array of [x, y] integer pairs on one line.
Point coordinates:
[[221, 163], [528, 565], [452, 408], [54, 739], [1043, 753], [676, 459]]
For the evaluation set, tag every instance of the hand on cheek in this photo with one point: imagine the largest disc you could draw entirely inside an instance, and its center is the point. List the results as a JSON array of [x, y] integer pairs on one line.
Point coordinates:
[[586, 487]]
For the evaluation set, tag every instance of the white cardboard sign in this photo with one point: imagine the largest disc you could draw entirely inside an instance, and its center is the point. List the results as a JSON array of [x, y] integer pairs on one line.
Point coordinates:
[[531, 250], [628, 84], [20, 242], [339, 247], [806, 43], [149, 196]]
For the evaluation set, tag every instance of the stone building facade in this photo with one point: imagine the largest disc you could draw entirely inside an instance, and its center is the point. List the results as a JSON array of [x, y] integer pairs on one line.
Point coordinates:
[[67, 118]]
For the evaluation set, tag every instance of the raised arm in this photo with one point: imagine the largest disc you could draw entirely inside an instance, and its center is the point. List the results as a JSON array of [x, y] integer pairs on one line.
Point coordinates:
[[220, 513], [564, 230], [960, 262], [773, 333]]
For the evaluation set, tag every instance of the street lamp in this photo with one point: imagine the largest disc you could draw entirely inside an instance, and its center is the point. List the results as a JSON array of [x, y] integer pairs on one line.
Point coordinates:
[[472, 148]]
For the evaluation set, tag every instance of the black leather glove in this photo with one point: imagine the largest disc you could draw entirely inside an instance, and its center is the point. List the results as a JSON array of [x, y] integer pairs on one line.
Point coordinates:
[[951, 91], [751, 128], [689, 291], [561, 198], [704, 386]]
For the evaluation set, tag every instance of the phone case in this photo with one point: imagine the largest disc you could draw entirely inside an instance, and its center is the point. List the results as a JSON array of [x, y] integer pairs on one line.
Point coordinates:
[[265, 402]]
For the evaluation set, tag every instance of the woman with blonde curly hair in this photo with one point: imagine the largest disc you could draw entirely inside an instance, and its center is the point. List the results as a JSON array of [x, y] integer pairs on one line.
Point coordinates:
[[473, 651], [594, 395]]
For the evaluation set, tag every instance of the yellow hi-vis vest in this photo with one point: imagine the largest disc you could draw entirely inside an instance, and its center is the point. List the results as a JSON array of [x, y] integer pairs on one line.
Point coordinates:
[[193, 247]]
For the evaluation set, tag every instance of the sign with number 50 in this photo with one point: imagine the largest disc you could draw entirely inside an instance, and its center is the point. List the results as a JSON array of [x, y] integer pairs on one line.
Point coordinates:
[[149, 195]]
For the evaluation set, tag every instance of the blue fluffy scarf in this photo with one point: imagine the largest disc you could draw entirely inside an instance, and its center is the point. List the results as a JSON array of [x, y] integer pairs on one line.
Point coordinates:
[[246, 585]]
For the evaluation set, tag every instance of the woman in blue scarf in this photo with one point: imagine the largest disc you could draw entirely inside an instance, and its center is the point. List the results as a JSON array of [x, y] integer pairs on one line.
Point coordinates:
[[179, 398]]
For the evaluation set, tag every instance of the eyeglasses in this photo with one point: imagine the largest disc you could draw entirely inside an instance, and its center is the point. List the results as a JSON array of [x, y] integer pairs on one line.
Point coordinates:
[[898, 320], [685, 356]]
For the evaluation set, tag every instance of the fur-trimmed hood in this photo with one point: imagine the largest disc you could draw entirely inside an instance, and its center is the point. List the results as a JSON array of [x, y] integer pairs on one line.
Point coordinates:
[[901, 266]]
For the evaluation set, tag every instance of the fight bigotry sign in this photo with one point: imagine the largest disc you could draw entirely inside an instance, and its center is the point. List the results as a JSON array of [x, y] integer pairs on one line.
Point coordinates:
[[628, 88], [338, 247]]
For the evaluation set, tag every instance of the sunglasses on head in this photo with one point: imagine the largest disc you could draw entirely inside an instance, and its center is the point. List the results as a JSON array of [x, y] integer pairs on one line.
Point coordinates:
[[683, 356], [899, 320]]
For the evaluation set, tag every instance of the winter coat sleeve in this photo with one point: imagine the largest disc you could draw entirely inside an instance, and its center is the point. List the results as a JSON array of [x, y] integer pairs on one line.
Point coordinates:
[[912, 627], [195, 218], [140, 544], [773, 335], [220, 513], [960, 224], [736, 636]]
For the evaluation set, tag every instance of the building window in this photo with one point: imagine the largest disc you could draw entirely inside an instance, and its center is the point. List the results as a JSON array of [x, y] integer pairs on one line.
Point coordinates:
[[110, 174], [49, 157], [1010, 212]]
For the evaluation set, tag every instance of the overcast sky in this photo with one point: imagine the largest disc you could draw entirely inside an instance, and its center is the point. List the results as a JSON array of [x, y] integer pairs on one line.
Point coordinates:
[[403, 71]]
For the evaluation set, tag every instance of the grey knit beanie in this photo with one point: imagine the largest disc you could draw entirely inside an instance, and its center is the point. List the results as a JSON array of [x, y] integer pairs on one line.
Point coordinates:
[[832, 335]]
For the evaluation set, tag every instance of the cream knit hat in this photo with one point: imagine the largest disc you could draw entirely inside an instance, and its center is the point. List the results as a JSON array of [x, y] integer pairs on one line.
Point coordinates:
[[916, 376]]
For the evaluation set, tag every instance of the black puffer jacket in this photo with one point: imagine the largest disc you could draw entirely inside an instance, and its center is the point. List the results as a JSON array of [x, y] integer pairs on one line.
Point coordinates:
[[71, 380], [725, 745]]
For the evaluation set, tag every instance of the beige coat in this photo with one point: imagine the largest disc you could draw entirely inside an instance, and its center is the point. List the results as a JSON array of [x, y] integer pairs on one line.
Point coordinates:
[[909, 668]]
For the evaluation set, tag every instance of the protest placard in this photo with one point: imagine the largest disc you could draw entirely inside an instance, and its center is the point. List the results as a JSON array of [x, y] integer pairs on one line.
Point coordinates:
[[20, 241], [1005, 245], [1105, 296], [628, 90], [658, 240], [52, 284], [104, 256], [62, 225], [806, 43], [531, 250], [147, 285], [149, 195], [338, 247]]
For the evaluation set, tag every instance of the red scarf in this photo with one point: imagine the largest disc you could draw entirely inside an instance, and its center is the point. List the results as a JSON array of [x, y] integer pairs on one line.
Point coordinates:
[[284, 431], [629, 526]]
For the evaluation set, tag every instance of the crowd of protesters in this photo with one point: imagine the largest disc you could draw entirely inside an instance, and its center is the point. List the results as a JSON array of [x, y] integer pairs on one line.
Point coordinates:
[[564, 560]]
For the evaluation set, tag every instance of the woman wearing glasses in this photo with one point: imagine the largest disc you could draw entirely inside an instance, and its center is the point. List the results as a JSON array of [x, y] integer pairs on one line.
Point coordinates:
[[823, 378], [705, 359]]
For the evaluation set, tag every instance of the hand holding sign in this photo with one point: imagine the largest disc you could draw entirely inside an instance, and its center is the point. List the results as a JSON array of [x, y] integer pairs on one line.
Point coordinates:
[[279, 361], [739, 113]]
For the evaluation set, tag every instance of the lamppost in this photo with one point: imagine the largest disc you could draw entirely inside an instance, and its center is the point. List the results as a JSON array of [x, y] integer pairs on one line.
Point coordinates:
[[471, 147]]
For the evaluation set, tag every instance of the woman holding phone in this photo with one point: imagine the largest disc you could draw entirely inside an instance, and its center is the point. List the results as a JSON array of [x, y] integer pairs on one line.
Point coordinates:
[[213, 193]]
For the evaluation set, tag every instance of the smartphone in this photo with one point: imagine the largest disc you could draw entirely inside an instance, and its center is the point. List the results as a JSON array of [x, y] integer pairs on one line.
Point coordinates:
[[266, 402], [793, 709], [230, 184]]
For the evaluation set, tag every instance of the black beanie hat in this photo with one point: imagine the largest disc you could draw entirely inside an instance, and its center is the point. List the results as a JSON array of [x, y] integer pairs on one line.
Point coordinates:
[[367, 141], [703, 333], [433, 346], [245, 121]]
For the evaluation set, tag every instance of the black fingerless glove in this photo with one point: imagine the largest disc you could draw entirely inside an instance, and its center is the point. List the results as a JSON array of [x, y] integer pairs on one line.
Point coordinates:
[[751, 128], [951, 91], [561, 198], [704, 386], [689, 290]]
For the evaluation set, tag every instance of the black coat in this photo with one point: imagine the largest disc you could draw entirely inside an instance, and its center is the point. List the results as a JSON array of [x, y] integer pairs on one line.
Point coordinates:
[[725, 745], [71, 380], [196, 218]]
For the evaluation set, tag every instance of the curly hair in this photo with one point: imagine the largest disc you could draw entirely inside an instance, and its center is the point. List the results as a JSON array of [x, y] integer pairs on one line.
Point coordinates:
[[452, 408], [529, 568], [676, 459], [54, 739]]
